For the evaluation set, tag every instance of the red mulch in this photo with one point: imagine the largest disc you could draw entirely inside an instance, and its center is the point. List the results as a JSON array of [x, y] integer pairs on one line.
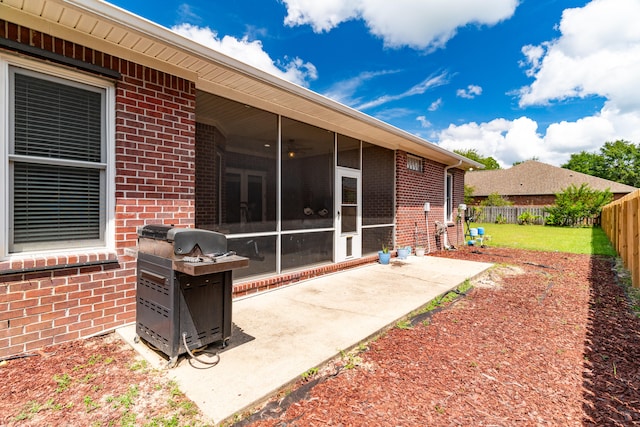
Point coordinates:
[[543, 339], [94, 382]]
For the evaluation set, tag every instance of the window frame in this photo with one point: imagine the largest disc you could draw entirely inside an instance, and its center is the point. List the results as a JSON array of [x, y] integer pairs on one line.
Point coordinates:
[[415, 163], [448, 203], [8, 66]]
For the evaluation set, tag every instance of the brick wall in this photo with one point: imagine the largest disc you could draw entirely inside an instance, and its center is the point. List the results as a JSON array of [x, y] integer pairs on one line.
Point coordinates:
[[377, 185], [209, 145], [52, 299], [413, 189]]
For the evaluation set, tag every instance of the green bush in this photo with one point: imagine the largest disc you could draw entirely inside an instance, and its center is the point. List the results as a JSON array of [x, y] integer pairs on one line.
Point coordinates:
[[527, 218], [575, 204], [495, 199]]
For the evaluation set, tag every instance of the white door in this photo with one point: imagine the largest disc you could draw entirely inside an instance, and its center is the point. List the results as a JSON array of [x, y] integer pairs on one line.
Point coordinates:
[[348, 220]]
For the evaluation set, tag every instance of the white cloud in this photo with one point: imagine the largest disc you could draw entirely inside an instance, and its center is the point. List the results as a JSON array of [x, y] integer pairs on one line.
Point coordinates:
[[389, 114], [435, 105], [321, 15], [423, 122], [344, 91], [504, 140], [421, 25], [185, 13], [597, 53], [428, 83], [509, 141], [470, 92], [294, 70], [533, 56]]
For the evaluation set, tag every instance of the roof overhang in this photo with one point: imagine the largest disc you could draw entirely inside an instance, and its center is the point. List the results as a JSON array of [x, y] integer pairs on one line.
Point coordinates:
[[110, 29]]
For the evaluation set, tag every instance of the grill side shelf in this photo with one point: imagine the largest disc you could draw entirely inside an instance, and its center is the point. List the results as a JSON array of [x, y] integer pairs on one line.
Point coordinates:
[[199, 268]]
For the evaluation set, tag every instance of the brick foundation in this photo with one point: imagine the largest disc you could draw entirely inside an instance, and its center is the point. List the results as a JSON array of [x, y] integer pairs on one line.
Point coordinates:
[[250, 287]]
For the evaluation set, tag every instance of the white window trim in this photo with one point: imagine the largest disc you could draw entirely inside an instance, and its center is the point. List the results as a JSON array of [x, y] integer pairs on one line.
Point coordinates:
[[449, 195], [415, 160], [6, 61]]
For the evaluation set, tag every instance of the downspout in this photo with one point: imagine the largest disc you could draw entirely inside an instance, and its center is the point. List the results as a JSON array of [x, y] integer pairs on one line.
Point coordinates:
[[445, 219]]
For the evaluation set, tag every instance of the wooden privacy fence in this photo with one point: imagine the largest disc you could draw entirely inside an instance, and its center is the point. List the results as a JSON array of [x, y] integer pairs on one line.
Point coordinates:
[[508, 214], [620, 221]]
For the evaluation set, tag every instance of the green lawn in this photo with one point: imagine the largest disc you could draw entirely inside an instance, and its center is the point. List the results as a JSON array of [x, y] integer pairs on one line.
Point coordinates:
[[544, 238]]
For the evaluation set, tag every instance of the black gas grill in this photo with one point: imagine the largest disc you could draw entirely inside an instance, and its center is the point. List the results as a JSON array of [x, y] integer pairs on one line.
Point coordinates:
[[184, 288]]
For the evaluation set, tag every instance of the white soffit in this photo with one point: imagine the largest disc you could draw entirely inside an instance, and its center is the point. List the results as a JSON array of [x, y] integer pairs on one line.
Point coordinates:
[[102, 26]]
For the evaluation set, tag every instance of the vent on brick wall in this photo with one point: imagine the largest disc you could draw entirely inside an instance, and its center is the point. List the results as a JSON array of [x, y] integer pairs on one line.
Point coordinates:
[[414, 163]]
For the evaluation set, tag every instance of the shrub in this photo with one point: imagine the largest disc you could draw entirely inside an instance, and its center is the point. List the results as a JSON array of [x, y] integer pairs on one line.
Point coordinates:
[[527, 218], [574, 204], [495, 199]]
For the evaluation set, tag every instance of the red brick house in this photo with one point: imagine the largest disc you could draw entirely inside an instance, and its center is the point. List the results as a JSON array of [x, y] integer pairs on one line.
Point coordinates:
[[110, 122], [534, 183]]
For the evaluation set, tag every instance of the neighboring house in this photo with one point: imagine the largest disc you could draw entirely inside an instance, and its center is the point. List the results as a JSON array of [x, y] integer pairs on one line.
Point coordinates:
[[111, 122], [533, 183]]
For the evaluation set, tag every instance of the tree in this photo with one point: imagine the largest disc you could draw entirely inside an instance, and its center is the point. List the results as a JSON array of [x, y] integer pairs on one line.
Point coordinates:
[[468, 194], [622, 159], [536, 158], [573, 204], [584, 162], [617, 161], [489, 162]]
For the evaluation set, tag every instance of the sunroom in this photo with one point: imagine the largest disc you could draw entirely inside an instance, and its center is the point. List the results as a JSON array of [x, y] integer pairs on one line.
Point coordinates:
[[287, 194]]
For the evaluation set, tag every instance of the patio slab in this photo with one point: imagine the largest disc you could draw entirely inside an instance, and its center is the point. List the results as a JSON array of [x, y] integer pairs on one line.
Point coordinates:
[[279, 335]]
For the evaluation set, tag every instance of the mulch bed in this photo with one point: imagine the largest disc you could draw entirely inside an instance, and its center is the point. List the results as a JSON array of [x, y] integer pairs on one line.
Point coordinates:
[[542, 339], [99, 381]]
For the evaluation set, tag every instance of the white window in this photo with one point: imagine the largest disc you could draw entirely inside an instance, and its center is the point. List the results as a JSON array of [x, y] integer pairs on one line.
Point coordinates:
[[56, 161], [414, 163], [448, 203]]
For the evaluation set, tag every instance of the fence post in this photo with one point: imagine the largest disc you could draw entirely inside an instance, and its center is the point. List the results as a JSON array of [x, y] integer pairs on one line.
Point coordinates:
[[634, 242], [624, 214], [621, 223]]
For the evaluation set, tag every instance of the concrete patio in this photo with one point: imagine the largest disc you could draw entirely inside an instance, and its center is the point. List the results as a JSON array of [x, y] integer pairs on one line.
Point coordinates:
[[279, 335]]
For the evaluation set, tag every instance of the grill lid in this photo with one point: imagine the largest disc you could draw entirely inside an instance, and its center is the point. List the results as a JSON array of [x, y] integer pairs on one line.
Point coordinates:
[[185, 240], [154, 231]]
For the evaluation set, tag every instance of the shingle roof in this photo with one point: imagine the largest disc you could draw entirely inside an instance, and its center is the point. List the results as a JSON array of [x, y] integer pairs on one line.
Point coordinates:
[[536, 178]]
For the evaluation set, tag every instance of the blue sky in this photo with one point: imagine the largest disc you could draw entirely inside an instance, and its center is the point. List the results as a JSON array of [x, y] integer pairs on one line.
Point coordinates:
[[512, 79]]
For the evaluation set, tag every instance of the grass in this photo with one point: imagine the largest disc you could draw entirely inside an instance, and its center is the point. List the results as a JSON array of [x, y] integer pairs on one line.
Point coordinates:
[[544, 238]]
